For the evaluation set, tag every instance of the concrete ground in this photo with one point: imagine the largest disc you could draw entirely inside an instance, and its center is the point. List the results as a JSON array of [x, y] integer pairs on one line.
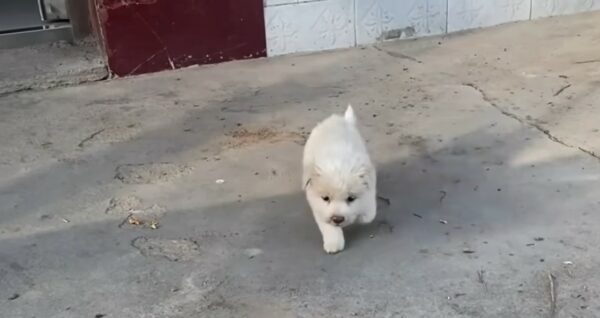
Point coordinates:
[[178, 194], [50, 65]]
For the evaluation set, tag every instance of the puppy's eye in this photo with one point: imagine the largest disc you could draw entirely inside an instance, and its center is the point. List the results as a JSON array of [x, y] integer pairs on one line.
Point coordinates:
[[325, 198], [350, 199]]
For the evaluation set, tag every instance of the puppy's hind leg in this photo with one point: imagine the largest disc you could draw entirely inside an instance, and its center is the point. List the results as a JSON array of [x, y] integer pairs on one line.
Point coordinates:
[[333, 237]]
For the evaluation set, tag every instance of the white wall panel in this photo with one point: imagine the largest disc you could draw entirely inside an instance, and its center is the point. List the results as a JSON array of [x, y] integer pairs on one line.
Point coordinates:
[[546, 8], [470, 14], [378, 20], [310, 26], [315, 25]]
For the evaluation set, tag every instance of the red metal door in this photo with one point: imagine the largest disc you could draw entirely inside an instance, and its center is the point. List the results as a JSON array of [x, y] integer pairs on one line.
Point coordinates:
[[142, 36]]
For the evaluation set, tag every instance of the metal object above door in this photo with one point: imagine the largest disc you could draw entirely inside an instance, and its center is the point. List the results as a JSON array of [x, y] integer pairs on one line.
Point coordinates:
[[56, 10], [27, 22]]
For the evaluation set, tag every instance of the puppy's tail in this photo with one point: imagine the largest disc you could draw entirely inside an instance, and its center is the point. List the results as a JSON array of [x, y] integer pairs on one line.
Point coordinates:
[[349, 115]]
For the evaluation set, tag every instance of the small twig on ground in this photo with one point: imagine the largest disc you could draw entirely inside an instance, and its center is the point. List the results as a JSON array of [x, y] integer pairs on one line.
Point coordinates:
[[587, 61], [387, 201], [552, 280], [468, 251], [444, 193], [417, 215], [562, 89], [90, 137]]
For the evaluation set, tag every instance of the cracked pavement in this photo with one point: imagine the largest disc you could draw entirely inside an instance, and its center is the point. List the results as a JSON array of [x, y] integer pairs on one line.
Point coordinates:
[[177, 194]]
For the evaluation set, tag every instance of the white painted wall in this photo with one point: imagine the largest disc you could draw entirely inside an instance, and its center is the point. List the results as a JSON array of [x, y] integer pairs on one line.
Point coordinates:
[[316, 25], [546, 8]]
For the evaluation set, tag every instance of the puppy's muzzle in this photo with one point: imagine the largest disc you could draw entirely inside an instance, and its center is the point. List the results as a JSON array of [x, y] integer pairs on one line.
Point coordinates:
[[337, 220]]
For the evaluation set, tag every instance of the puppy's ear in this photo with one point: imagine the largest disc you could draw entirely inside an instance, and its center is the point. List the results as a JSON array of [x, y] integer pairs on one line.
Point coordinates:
[[363, 173], [307, 183], [315, 172], [349, 115]]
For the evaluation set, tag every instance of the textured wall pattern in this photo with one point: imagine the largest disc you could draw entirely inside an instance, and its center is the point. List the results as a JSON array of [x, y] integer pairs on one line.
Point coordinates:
[[470, 14], [316, 25], [546, 8], [378, 20], [309, 26]]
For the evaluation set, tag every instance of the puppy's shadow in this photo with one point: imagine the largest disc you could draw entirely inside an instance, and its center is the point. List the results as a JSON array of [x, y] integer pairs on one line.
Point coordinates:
[[383, 223]]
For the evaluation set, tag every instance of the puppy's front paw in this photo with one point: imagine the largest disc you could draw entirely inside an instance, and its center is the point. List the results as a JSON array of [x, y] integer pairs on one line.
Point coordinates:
[[333, 243]]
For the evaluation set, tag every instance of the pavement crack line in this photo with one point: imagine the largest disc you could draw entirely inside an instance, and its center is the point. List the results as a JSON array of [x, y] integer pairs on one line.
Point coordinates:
[[525, 122]]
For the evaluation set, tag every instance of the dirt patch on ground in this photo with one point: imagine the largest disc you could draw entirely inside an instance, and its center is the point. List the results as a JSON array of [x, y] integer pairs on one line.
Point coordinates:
[[123, 204], [149, 173], [244, 137], [173, 250], [137, 215]]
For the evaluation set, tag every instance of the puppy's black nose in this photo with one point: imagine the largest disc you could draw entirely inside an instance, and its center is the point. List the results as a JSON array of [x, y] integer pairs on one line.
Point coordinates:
[[337, 219]]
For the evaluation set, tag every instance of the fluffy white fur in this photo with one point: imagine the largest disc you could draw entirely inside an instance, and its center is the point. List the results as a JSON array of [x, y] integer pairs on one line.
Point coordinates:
[[338, 178]]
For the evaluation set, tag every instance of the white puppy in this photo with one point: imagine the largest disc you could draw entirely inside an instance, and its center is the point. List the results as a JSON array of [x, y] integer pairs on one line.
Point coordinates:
[[339, 178]]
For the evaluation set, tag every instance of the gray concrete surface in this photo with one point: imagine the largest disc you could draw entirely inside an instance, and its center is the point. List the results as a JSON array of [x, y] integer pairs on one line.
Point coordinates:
[[486, 156], [50, 65]]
